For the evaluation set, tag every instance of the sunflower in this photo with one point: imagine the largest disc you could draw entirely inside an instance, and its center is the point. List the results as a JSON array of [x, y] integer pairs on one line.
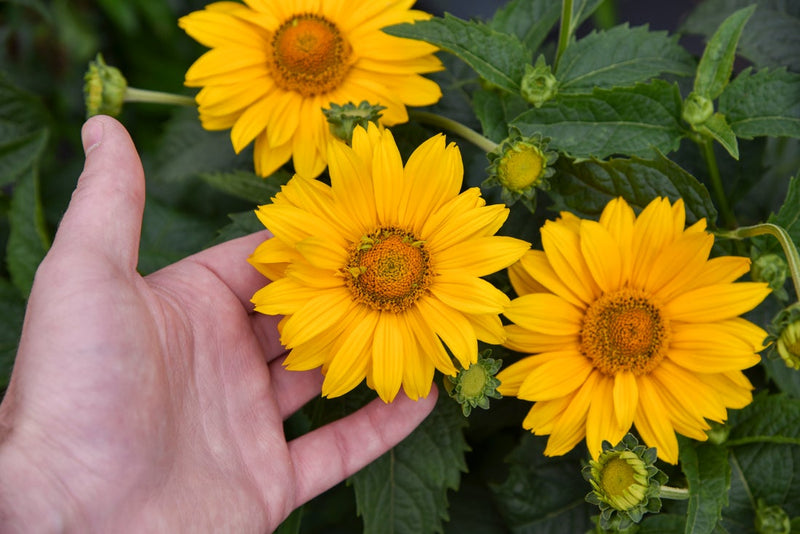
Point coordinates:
[[377, 272], [274, 65], [628, 322]]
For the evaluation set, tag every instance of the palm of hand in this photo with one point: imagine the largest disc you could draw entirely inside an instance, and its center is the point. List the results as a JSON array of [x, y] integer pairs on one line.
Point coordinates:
[[156, 404]]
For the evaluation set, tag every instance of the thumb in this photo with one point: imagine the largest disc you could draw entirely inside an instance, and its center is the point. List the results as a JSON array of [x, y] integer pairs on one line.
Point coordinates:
[[104, 217]]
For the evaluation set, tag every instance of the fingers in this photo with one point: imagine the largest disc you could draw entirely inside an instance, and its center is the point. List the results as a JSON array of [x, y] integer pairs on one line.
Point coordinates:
[[294, 388], [104, 216], [328, 455]]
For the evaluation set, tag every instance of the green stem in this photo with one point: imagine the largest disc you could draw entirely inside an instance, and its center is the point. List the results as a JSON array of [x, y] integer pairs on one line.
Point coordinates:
[[676, 494], [716, 182], [783, 237], [145, 95], [564, 31], [456, 127]]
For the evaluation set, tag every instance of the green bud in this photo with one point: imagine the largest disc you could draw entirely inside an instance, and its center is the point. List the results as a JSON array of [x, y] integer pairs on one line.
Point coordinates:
[[474, 386], [772, 269], [771, 519], [718, 433], [697, 109], [538, 83], [788, 345], [104, 89], [342, 120]]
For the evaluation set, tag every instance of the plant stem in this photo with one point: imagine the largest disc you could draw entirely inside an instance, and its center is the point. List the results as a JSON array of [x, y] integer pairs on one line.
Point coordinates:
[[564, 31], [707, 148], [456, 127], [783, 237], [145, 95], [676, 494]]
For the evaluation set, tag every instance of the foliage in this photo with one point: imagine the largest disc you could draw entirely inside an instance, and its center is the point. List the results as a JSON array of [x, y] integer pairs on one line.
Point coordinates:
[[633, 114]]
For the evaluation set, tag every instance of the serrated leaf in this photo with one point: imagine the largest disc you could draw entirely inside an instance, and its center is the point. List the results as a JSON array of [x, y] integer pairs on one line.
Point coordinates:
[[718, 128], [716, 64], [544, 495], [23, 131], [495, 110], [765, 446], [530, 20], [12, 310], [632, 121], [620, 56], [186, 149], [708, 474], [242, 224], [586, 187], [169, 234], [771, 37], [247, 185], [497, 57], [405, 490], [763, 103], [27, 240]]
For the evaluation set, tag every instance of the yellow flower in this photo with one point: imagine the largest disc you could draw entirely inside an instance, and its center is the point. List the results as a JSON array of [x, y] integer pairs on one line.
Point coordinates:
[[629, 323], [378, 271], [273, 66]]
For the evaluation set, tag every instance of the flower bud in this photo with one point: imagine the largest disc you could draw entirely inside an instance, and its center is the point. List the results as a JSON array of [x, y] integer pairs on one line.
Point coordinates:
[[771, 519], [788, 345], [104, 89], [538, 83], [772, 269], [342, 120], [697, 109], [474, 386]]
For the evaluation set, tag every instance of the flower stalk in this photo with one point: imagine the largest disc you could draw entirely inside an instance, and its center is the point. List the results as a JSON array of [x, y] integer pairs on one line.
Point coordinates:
[[455, 127], [133, 94], [707, 148], [564, 31], [792, 256]]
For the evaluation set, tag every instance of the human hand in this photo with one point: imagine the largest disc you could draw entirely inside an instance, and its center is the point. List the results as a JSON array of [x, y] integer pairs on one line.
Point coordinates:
[[156, 404]]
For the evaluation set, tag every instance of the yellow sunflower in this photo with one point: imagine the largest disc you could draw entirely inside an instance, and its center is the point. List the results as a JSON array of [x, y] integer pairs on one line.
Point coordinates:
[[629, 322], [273, 66], [377, 272]]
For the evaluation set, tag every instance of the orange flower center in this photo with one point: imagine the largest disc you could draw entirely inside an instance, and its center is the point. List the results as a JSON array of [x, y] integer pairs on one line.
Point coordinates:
[[624, 331], [309, 55], [388, 270]]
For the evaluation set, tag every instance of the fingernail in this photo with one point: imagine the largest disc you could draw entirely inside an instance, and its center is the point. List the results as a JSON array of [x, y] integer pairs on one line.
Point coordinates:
[[91, 134]]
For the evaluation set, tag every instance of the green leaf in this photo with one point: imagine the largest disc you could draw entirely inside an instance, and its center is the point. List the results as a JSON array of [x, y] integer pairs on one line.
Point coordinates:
[[169, 235], [242, 224], [495, 110], [497, 57], [530, 20], [620, 56], [771, 37], [544, 495], [708, 474], [27, 240], [586, 187], [765, 448], [23, 131], [12, 310], [718, 128], [716, 65], [661, 524], [247, 185], [633, 121], [788, 218], [405, 490], [763, 103]]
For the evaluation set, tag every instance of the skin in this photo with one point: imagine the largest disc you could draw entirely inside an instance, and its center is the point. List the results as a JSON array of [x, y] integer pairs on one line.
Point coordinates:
[[155, 404]]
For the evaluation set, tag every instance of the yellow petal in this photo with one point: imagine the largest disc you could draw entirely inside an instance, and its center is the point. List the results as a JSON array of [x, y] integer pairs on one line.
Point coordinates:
[[349, 365], [626, 399], [652, 231], [602, 255], [543, 416], [601, 422], [535, 264], [452, 327], [282, 297], [322, 253], [571, 426], [678, 264], [512, 377], [560, 375], [653, 423], [389, 347], [315, 316], [716, 302], [268, 159], [524, 340], [481, 256], [545, 313], [387, 175], [429, 343], [562, 246], [469, 294], [488, 328]]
